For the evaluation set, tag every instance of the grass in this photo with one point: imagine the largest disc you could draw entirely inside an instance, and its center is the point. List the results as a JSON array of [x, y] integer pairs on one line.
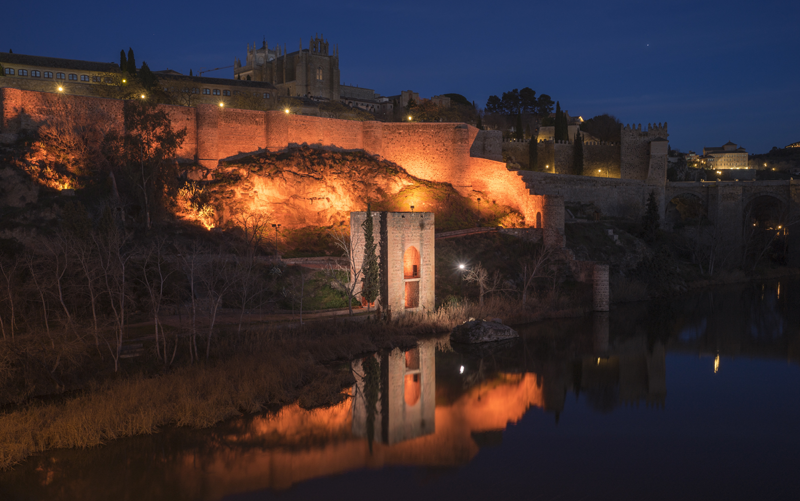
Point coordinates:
[[249, 372]]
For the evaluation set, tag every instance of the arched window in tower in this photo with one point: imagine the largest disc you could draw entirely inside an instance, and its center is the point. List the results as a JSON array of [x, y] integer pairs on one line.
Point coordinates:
[[411, 263], [319, 74]]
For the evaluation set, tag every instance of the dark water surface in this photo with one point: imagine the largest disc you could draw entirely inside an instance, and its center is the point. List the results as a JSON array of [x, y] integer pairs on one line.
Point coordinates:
[[692, 398]]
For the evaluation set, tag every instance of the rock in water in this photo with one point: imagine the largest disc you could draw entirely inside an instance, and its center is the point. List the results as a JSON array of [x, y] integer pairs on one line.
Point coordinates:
[[482, 331]]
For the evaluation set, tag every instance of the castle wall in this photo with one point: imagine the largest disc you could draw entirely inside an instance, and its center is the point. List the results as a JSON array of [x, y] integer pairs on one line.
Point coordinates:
[[635, 149], [489, 144], [563, 153], [614, 197], [438, 152], [601, 160]]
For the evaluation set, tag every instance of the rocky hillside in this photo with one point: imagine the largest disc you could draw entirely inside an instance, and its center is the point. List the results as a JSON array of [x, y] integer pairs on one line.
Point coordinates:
[[305, 187]]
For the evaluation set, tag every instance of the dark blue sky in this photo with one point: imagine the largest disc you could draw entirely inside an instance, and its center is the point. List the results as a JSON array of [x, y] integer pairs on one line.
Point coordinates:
[[715, 70]]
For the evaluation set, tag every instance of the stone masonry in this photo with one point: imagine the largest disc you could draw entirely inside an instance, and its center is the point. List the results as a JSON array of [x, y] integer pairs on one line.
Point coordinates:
[[406, 253]]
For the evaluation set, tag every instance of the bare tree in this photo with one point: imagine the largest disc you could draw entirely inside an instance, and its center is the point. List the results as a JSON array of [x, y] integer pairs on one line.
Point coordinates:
[[82, 250], [217, 279], [487, 283], [155, 274], [113, 259], [347, 277], [8, 268], [32, 263], [57, 259], [190, 264], [533, 267]]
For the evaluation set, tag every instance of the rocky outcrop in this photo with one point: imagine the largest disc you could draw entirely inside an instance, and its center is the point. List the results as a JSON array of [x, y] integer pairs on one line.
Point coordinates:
[[482, 331], [304, 186]]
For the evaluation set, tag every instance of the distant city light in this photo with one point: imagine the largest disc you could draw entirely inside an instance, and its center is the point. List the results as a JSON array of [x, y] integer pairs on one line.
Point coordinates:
[[124, 81], [716, 364], [461, 371]]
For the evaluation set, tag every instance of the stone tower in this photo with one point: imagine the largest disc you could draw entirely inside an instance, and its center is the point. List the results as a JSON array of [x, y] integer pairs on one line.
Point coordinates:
[[312, 72], [406, 252]]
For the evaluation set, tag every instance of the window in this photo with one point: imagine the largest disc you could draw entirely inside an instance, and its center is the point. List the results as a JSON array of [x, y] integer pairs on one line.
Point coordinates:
[[73, 76], [195, 90], [108, 79], [226, 93], [186, 89], [97, 79], [9, 71], [36, 73], [48, 74], [22, 73], [206, 91], [84, 78], [61, 75], [216, 92], [319, 73], [266, 95]]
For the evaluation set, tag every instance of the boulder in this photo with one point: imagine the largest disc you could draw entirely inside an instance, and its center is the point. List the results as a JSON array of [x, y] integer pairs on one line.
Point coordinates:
[[482, 331]]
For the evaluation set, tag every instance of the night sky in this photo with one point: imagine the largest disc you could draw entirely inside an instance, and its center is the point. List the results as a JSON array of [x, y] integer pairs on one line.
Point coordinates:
[[714, 70]]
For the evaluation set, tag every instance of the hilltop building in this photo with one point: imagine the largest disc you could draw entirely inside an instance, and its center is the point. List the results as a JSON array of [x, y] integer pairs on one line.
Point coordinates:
[[727, 156], [52, 74], [312, 72]]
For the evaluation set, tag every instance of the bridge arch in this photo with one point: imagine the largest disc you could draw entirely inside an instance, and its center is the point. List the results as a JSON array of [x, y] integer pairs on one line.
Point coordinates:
[[685, 208]]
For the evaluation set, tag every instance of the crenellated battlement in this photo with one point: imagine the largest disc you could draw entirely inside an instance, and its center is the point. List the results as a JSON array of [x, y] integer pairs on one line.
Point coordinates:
[[652, 131]]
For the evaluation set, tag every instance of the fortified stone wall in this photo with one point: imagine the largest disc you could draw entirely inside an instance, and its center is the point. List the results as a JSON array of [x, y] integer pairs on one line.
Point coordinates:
[[563, 153], [488, 144], [614, 197], [601, 160], [635, 149], [440, 152]]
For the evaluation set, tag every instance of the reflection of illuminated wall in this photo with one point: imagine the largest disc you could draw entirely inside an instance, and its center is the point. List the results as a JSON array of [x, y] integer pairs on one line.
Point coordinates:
[[407, 401]]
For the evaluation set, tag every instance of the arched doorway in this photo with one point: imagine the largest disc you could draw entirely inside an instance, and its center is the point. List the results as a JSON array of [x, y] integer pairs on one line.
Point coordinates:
[[765, 230], [411, 273]]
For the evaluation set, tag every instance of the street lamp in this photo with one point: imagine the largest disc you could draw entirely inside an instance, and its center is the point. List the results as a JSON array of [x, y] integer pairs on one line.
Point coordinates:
[[286, 110], [412, 209], [276, 226], [221, 104], [409, 118], [142, 96], [60, 89]]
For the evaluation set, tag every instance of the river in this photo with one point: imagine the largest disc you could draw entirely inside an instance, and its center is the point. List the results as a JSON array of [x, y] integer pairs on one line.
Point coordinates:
[[696, 397]]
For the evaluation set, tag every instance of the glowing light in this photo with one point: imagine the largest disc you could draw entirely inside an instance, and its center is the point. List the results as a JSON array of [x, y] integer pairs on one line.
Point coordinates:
[[461, 266], [716, 364], [286, 110], [409, 118], [598, 360], [124, 81], [779, 227], [461, 371], [60, 89], [142, 96], [221, 105]]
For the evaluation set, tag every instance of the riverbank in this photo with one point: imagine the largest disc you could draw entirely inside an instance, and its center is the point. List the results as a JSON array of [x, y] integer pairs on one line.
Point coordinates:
[[250, 372]]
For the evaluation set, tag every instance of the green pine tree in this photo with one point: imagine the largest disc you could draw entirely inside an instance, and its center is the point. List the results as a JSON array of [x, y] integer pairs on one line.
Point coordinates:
[[533, 155], [577, 155], [518, 132], [370, 283], [146, 77], [190, 72], [123, 61], [651, 221], [131, 63], [560, 127]]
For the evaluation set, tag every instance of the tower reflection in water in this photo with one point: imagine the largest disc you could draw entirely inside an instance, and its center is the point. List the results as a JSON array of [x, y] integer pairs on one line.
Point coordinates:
[[397, 416]]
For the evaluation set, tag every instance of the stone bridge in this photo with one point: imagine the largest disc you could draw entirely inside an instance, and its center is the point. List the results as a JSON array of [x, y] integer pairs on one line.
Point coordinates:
[[736, 206]]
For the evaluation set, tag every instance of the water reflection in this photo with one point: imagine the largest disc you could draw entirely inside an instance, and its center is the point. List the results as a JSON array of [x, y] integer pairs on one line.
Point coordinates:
[[432, 408]]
